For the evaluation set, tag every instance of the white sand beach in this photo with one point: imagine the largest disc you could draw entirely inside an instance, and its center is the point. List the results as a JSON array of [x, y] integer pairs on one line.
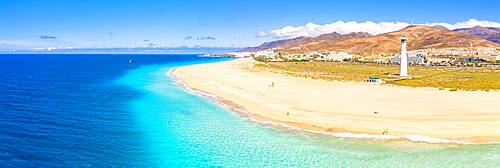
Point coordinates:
[[348, 107]]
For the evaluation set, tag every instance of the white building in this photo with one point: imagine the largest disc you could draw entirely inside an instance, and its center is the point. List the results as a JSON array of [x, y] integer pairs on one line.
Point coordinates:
[[413, 58], [338, 56], [240, 54], [315, 54], [266, 53]]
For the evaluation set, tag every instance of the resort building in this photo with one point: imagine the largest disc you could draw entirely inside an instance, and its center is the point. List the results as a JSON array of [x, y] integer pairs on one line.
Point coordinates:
[[459, 52], [468, 60], [413, 59], [338, 56], [240, 54], [315, 55], [266, 53]]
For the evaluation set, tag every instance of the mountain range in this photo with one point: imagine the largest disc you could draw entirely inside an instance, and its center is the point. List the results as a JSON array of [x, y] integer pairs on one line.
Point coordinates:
[[488, 33], [419, 37]]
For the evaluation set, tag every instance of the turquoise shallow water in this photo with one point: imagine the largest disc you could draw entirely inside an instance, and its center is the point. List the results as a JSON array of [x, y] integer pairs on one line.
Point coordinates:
[[185, 129]]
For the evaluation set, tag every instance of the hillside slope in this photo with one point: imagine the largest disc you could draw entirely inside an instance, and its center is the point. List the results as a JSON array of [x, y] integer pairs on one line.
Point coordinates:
[[488, 33], [419, 37]]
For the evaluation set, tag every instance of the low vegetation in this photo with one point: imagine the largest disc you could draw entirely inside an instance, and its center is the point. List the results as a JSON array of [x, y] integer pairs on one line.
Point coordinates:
[[262, 58], [452, 78]]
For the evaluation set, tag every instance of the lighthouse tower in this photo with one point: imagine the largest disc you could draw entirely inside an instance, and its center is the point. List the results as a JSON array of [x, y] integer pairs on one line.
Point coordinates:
[[404, 58]]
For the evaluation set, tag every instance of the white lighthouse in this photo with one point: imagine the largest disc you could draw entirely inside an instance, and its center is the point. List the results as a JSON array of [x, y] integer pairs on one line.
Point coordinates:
[[403, 65]]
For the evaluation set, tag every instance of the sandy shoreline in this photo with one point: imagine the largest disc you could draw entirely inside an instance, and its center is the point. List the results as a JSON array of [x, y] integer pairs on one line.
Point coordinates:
[[346, 109]]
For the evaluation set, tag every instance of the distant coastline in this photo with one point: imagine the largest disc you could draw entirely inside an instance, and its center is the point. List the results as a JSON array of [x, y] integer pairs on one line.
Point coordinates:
[[124, 50]]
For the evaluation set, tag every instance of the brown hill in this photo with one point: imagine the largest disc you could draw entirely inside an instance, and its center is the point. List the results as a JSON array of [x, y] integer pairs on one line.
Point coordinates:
[[419, 37], [299, 41], [440, 27]]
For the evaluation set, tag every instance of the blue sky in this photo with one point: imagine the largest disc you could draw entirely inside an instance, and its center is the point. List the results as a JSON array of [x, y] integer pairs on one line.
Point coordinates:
[[26, 24]]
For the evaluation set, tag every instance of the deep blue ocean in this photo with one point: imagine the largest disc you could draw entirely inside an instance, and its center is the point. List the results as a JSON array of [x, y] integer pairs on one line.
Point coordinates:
[[126, 111], [69, 109]]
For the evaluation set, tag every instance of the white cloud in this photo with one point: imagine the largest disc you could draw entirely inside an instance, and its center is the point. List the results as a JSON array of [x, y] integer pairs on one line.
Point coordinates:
[[261, 34], [312, 29], [467, 24]]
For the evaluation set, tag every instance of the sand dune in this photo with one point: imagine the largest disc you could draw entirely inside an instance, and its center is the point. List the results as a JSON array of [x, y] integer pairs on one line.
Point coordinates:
[[340, 107]]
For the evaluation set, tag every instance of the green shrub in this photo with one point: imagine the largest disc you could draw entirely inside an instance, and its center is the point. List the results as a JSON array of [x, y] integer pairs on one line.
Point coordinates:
[[262, 58]]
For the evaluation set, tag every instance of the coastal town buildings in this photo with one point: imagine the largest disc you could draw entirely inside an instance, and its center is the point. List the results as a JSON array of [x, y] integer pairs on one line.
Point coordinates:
[[459, 52], [265, 53], [464, 56], [240, 54], [412, 59], [468, 60], [338, 56]]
